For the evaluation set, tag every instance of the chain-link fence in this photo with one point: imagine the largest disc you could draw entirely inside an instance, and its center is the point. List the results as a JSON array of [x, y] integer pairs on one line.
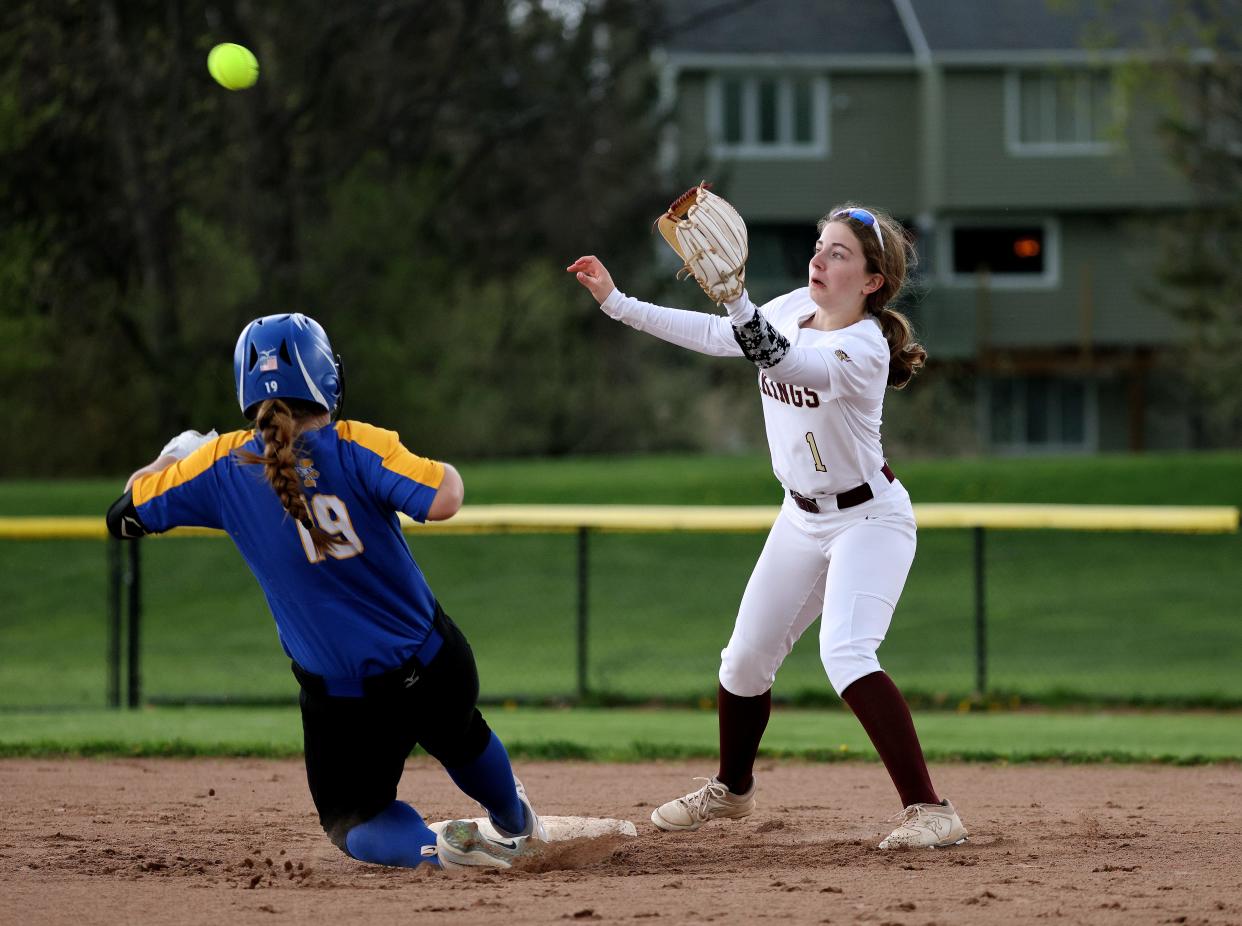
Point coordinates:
[[1068, 616]]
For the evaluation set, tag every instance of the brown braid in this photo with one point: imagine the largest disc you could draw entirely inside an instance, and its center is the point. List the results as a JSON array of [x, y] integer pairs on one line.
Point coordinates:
[[278, 428]]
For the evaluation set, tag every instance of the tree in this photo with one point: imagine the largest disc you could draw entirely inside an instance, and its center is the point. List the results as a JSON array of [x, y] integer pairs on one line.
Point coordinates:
[[1191, 70], [405, 171]]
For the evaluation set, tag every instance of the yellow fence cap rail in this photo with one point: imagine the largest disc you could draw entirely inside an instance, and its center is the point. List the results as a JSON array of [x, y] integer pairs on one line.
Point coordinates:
[[53, 528], [72, 528], [638, 518], [1170, 518], [1208, 519], [484, 519]]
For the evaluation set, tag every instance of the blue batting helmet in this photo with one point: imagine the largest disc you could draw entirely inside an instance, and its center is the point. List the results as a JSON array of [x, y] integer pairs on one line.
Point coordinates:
[[285, 357]]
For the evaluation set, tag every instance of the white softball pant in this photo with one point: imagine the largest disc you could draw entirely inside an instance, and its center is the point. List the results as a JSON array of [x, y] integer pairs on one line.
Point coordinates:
[[848, 565]]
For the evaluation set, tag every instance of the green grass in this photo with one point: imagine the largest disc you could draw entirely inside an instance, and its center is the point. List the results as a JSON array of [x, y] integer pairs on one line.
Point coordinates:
[[1096, 617], [1150, 479], [1071, 616], [630, 735]]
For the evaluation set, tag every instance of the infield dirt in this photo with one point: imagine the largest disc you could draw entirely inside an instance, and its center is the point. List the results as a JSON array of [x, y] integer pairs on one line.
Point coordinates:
[[150, 841]]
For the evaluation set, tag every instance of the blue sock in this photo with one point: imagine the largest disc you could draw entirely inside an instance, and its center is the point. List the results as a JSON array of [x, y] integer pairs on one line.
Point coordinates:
[[489, 780], [396, 835]]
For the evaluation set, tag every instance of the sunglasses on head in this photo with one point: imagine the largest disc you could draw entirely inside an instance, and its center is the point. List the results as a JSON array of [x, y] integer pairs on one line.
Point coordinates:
[[862, 215]]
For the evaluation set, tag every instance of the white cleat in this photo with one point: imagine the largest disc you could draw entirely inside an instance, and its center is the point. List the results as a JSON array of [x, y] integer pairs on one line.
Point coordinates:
[[926, 826], [461, 844], [713, 801]]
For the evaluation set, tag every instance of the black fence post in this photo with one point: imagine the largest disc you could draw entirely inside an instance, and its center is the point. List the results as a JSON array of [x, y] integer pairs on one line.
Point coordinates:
[[583, 569], [133, 581], [114, 622], [981, 617]]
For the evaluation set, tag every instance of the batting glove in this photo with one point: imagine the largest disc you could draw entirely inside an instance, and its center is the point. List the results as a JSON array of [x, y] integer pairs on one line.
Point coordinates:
[[186, 443]]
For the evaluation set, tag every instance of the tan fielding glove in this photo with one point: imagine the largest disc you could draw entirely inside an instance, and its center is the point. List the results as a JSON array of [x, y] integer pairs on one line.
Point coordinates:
[[709, 235]]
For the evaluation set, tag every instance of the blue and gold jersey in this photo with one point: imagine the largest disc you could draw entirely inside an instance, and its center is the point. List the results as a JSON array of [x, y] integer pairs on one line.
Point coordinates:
[[362, 608]]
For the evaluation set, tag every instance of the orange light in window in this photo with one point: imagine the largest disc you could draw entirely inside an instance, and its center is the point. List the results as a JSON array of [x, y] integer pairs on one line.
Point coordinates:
[[1026, 247]]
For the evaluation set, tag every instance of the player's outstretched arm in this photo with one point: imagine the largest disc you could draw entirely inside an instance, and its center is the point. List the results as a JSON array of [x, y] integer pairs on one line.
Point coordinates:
[[122, 518], [591, 273], [706, 334]]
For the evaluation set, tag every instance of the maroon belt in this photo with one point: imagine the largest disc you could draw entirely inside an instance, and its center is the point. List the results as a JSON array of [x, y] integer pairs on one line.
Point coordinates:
[[846, 499]]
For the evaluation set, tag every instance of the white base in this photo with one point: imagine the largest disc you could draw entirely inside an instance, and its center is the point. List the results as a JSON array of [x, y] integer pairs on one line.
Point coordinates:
[[561, 828]]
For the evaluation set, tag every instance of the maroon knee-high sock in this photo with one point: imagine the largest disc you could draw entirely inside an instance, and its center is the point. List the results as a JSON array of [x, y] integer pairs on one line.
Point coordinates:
[[742, 722], [884, 714]]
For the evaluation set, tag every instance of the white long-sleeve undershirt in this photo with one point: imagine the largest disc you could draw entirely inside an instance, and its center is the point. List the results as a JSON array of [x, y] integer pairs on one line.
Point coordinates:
[[698, 331], [819, 366]]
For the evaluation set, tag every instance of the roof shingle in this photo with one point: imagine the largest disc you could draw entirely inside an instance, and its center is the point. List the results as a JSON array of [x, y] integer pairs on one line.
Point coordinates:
[[874, 27], [802, 27]]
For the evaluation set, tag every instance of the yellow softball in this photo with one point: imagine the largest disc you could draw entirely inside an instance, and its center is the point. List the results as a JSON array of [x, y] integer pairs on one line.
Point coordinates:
[[233, 66]]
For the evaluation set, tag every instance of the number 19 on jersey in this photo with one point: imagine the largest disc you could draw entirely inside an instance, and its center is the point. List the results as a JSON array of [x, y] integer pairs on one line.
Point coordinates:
[[330, 513]]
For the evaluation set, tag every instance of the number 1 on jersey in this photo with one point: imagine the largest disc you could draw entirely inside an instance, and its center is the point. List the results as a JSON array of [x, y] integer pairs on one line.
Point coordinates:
[[819, 464]]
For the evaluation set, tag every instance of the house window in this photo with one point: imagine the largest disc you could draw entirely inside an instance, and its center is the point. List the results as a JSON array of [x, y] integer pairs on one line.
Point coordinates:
[[999, 250], [772, 115], [1035, 413], [1060, 112], [1008, 255]]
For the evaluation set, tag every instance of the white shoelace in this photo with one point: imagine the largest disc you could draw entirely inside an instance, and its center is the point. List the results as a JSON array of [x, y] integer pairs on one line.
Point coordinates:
[[912, 814], [698, 801]]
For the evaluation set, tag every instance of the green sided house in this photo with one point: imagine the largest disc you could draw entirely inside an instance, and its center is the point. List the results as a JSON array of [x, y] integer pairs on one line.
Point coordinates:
[[994, 132]]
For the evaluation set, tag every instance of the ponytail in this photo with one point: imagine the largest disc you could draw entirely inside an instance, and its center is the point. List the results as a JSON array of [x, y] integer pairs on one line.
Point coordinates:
[[906, 355], [274, 421]]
